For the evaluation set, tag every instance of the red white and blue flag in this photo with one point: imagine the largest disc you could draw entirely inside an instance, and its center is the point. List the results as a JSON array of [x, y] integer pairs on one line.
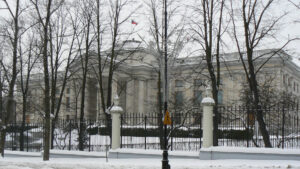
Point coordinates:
[[134, 22]]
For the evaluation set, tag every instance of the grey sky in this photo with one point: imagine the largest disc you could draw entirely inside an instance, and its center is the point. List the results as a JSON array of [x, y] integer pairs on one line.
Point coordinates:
[[289, 27]]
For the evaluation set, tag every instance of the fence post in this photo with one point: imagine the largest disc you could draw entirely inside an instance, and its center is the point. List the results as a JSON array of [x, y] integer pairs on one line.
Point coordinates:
[[201, 132], [27, 136], [121, 131], [208, 104], [145, 132], [51, 128], [89, 137], [116, 112], [171, 135], [70, 135], [248, 121], [283, 123]]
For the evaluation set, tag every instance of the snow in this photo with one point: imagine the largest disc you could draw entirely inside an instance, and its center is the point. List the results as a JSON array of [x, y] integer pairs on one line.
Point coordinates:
[[156, 152], [253, 150], [116, 109], [101, 163], [208, 100], [81, 153], [36, 154], [35, 162]]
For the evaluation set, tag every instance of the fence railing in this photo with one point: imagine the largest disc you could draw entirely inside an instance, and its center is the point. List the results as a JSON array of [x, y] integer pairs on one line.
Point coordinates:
[[237, 127], [282, 124]]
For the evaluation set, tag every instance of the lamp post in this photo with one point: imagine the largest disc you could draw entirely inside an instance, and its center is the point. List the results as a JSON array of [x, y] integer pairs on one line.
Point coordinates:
[[165, 161], [1, 105]]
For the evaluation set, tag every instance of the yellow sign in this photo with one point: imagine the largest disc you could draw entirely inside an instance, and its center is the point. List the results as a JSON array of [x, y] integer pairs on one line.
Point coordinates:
[[167, 119]]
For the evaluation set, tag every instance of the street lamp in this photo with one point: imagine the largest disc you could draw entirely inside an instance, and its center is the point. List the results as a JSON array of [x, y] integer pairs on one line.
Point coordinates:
[[165, 161]]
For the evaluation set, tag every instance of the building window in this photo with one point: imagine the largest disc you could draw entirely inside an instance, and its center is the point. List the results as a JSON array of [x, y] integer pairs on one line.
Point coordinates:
[[68, 90], [68, 103], [294, 86], [221, 81], [178, 83], [198, 82], [179, 98], [56, 102], [197, 97], [220, 97], [284, 79], [290, 82], [57, 91]]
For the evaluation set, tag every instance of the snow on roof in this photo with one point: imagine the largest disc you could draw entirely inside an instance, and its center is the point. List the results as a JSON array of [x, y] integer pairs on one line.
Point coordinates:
[[235, 56]]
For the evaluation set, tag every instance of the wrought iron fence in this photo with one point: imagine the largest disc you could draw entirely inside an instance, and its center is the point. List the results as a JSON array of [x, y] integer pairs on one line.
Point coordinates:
[[237, 127], [282, 124], [146, 131]]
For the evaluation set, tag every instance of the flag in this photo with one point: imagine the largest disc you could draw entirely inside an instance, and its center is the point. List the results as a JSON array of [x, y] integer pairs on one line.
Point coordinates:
[[133, 22]]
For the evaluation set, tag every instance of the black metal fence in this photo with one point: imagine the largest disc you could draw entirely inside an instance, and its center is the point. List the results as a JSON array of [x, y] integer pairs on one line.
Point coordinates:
[[242, 128], [237, 127], [146, 131]]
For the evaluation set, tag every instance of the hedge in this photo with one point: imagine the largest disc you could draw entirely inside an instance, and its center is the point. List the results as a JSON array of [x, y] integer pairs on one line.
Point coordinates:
[[191, 133]]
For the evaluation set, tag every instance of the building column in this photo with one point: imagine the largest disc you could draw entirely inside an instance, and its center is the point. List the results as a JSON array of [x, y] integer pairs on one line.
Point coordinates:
[[114, 87], [141, 97], [130, 96]]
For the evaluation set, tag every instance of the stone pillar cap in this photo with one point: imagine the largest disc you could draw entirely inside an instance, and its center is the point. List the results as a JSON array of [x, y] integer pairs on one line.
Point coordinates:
[[116, 108], [208, 101]]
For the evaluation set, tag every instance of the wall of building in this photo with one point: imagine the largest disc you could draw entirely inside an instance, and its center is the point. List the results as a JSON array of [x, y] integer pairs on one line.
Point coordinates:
[[136, 83]]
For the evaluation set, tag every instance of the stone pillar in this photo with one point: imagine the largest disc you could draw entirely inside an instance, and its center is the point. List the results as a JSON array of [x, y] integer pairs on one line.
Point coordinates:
[[116, 112], [141, 97], [207, 120]]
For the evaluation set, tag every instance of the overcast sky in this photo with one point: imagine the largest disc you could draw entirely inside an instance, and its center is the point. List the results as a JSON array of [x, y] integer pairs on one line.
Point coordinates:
[[289, 27]]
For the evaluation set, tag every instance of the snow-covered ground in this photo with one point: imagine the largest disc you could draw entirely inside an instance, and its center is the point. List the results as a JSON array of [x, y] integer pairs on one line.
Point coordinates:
[[64, 163], [100, 162]]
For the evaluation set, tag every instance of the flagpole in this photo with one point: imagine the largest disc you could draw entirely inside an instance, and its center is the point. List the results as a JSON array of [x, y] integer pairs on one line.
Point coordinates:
[[165, 161]]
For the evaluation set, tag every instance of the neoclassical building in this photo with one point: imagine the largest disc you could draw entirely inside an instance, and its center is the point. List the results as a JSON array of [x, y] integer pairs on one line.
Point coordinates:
[[136, 81]]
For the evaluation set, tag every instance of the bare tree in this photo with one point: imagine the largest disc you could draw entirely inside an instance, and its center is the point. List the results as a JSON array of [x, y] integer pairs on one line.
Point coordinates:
[[176, 37], [26, 66], [84, 38], [208, 30], [116, 20], [44, 10], [15, 15], [62, 53], [257, 27], [110, 60], [295, 4]]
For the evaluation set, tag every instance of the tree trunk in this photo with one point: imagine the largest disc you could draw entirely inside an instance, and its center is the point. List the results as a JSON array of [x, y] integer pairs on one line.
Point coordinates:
[[259, 112], [10, 97], [82, 106], [2, 139], [23, 123], [47, 85]]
